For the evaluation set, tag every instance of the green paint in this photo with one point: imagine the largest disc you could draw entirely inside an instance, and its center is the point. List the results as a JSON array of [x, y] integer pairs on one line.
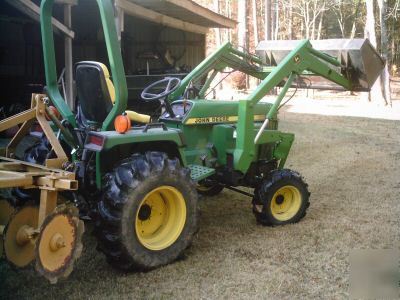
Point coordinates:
[[112, 138], [213, 129], [106, 9], [46, 9]]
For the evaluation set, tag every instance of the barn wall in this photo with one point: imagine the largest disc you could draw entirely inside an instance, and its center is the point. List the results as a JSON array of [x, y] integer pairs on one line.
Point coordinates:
[[141, 36], [21, 59]]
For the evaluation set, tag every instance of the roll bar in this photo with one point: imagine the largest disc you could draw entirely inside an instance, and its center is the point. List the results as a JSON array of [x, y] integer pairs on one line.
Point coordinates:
[[114, 56]]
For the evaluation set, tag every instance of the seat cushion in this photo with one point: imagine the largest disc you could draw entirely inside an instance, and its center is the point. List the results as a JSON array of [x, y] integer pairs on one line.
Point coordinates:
[[94, 93]]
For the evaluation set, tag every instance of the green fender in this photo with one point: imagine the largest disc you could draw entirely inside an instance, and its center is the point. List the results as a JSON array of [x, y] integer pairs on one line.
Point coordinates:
[[100, 141]]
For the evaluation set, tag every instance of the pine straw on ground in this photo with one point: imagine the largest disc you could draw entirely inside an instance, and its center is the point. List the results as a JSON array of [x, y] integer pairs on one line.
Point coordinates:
[[352, 168]]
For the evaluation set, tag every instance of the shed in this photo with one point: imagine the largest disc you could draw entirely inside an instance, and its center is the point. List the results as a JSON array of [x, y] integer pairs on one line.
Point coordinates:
[[158, 37]]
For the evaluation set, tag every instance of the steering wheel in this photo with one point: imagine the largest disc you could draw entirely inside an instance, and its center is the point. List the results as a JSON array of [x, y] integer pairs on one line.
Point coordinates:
[[168, 85]]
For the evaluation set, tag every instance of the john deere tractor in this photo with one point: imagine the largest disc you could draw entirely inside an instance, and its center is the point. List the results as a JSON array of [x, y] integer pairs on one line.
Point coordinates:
[[140, 176]]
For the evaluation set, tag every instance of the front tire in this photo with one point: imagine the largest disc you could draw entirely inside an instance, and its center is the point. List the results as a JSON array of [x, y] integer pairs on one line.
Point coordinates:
[[148, 214], [282, 198]]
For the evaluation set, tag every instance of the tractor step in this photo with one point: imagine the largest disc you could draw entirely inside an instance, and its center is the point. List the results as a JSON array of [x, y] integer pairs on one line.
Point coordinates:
[[198, 172]]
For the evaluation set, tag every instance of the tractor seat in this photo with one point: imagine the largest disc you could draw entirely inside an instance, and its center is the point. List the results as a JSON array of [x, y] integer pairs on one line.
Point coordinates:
[[96, 93]]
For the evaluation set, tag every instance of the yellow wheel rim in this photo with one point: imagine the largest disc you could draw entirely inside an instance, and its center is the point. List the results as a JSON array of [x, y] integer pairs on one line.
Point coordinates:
[[160, 218], [285, 203]]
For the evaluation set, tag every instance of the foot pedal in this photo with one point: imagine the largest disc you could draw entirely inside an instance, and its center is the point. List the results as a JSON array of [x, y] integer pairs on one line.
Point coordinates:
[[198, 172]]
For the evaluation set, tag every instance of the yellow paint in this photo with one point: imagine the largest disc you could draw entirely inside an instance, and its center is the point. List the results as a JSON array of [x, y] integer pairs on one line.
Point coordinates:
[[290, 205], [133, 116], [57, 243], [136, 117], [219, 119], [6, 210], [160, 218], [110, 85], [21, 254]]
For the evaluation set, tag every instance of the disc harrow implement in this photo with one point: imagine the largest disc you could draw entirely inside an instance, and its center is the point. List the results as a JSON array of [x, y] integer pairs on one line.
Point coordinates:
[[59, 243], [49, 233]]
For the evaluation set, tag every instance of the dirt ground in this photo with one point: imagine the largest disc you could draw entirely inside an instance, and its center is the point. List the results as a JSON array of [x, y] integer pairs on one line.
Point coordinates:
[[352, 168]]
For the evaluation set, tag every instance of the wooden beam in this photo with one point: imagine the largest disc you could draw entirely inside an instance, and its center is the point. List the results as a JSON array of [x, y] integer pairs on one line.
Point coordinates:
[[68, 61], [150, 15], [31, 9], [204, 12], [69, 2]]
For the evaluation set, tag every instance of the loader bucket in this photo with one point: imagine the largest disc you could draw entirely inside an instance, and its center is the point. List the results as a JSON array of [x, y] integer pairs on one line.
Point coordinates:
[[360, 62]]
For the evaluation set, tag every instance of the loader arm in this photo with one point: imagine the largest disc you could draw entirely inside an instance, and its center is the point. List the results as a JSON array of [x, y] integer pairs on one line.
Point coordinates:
[[229, 57], [224, 57], [302, 59]]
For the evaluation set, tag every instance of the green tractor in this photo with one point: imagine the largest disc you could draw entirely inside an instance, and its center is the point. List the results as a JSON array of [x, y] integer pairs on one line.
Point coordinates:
[[140, 183]]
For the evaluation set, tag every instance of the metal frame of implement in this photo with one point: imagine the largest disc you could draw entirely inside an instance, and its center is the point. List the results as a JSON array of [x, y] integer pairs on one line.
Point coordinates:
[[49, 179]]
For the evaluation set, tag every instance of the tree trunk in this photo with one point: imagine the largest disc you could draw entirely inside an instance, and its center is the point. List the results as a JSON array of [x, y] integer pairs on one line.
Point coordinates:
[[290, 20], [217, 30], [273, 19], [340, 18], [376, 91], [268, 17], [218, 37], [242, 20], [276, 28], [314, 19], [307, 20], [385, 80], [228, 6], [353, 28], [321, 18], [255, 25], [242, 29]]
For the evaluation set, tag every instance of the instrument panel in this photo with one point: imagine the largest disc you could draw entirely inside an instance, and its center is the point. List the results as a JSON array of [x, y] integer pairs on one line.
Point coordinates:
[[180, 109]]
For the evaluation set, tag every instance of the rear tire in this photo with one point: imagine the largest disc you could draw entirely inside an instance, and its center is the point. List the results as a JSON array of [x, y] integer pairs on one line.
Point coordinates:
[[35, 154], [148, 213], [282, 198]]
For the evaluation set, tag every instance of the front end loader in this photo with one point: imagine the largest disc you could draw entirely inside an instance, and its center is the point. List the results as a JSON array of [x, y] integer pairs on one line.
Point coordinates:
[[139, 184]]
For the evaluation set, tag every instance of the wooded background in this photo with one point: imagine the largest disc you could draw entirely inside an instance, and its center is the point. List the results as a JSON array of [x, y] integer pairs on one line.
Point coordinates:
[[379, 20]]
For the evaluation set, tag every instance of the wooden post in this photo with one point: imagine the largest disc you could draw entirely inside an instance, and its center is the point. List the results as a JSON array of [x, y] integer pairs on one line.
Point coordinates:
[[268, 17], [69, 81], [376, 91]]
